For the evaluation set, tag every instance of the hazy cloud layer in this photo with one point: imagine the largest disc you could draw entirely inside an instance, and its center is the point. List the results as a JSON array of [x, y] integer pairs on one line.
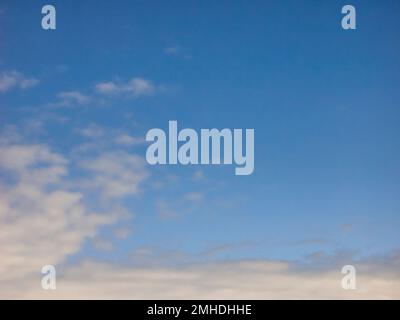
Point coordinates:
[[225, 280]]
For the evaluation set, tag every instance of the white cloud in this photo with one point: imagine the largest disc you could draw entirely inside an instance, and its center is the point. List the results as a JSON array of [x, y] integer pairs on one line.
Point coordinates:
[[14, 79], [92, 131], [136, 87], [21, 158], [41, 220], [128, 140], [115, 173], [107, 88], [140, 87], [69, 97]]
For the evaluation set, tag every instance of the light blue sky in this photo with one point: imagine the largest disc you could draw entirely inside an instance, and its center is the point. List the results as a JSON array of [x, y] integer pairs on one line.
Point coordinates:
[[324, 104]]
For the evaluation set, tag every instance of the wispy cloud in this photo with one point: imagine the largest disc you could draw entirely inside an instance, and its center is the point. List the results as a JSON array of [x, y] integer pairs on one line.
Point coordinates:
[[74, 97], [70, 99], [136, 87], [102, 137], [92, 131], [115, 174], [122, 233], [128, 140], [172, 50], [177, 51], [13, 79]]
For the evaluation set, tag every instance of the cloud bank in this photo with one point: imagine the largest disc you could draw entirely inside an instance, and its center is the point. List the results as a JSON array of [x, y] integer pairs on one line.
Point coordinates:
[[44, 219]]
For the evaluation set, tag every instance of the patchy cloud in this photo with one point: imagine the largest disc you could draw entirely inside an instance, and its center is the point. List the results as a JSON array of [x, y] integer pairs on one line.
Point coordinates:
[[41, 221], [128, 140], [13, 79], [92, 131], [122, 233], [136, 87], [45, 215], [69, 97], [114, 174]]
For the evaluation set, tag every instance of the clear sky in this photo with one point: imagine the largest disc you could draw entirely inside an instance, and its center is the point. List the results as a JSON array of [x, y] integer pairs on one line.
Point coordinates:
[[324, 103]]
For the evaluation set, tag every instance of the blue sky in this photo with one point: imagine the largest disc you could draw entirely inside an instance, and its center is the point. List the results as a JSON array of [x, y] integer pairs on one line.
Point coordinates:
[[324, 103]]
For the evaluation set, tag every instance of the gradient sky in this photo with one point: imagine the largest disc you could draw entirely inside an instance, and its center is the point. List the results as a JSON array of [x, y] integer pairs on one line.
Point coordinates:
[[324, 103]]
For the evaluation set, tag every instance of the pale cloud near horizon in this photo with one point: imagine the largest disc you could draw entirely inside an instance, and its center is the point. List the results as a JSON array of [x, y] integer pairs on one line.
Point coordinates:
[[14, 79], [224, 280]]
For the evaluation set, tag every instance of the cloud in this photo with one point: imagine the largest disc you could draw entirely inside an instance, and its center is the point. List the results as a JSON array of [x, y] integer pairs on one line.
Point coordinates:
[[136, 87], [194, 196], [172, 50], [107, 88], [198, 176], [41, 220], [128, 140], [165, 211], [122, 233], [45, 215], [45, 218], [180, 204], [246, 279], [13, 79], [177, 51], [21, 158], [92, 131], [69, 97], [102, 245], [115, 173]]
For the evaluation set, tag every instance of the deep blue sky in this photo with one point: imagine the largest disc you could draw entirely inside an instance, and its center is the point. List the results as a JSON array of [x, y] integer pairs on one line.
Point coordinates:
[[324, 103]]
